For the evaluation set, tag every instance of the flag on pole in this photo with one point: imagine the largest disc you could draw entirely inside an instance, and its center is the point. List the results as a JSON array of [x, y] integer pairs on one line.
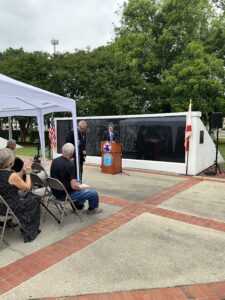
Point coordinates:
[[51, 134], [188, 129]]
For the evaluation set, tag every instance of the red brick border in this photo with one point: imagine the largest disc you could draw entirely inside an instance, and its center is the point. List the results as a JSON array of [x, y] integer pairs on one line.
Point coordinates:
[[211, 291], [166, 194]]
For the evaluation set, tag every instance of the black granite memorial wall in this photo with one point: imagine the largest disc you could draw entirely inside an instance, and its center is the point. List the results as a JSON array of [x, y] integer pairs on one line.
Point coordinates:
[[155, 138]]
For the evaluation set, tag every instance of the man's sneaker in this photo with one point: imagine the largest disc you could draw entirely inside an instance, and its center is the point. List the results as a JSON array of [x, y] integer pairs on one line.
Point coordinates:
[[79, 206], [94, 211]]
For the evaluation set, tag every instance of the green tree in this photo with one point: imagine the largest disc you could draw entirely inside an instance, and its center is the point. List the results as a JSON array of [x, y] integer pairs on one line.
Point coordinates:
[[195, 75], [31, 68], [156, 38], [165, 52]]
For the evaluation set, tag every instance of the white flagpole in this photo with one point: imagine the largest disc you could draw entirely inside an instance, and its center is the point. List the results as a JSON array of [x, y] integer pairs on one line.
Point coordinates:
[[188, 134]]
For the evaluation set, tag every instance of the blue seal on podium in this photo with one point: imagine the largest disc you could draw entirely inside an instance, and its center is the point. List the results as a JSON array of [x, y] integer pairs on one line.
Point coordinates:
[[107, 160]]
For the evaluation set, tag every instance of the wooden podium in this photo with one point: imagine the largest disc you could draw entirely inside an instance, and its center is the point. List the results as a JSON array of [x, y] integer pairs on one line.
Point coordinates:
[[111, 157]]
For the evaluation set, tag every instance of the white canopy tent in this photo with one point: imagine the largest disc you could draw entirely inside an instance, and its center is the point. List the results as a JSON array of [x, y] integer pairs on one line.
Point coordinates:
[[21, 99]]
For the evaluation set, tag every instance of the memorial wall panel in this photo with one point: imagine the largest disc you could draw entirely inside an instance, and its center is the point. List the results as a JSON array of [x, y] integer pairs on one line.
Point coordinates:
[[154, 138]]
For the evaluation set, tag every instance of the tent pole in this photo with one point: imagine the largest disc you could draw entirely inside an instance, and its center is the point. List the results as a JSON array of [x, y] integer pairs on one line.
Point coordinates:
[[41, 129], [10, 127], [76, 142]]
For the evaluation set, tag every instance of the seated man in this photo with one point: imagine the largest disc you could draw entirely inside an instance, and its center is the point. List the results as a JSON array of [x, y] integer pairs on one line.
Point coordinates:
[[11, 144], [62, 168]]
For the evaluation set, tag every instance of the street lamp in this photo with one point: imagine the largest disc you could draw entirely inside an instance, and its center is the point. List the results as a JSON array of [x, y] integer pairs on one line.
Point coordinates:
[[54, 42]]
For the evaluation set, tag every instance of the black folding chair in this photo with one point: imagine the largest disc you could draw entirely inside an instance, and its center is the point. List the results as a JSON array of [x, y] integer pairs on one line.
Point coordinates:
[[9, 215], [38, 169], [55, 184], [38, 185]]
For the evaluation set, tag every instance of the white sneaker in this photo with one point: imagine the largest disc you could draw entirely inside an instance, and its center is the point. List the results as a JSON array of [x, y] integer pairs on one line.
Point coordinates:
[[94, 211]]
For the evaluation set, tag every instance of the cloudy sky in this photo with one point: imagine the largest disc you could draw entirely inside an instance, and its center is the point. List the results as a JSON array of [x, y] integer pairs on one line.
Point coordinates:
[[32, 24]]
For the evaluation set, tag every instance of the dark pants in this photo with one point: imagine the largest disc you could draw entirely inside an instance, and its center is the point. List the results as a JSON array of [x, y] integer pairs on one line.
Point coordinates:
[[81, 163], [81, 171]]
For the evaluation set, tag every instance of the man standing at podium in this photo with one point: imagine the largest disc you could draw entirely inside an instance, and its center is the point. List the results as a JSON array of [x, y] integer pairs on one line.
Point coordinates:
[[111, 152], [81, 127], [110, 135]]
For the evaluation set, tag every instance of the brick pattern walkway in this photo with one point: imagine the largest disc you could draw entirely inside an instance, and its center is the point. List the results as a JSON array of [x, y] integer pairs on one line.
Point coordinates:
[[212, 291], [24, 269]]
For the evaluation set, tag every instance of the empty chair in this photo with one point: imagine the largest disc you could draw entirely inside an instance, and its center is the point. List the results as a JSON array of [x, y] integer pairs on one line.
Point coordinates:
[[38, 169], [55, 184], [9, 215], [39, 188]]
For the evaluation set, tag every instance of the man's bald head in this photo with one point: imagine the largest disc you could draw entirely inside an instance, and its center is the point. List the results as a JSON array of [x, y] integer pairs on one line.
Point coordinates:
[[82, 126]]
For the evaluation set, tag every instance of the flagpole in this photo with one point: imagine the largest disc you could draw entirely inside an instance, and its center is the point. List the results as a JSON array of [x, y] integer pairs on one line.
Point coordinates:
[[187, 157], [51, 134], [188, 132], [50, 155]]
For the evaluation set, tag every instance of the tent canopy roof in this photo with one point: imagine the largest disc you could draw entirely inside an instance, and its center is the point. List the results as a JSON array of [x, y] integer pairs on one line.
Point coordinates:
[[21, 99]]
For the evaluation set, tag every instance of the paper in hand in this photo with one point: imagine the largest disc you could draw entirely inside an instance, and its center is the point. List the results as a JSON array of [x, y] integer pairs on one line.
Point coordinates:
[[84, 186]]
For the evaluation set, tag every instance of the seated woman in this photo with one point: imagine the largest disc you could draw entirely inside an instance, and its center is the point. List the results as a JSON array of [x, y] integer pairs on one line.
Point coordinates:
[[27, 209]]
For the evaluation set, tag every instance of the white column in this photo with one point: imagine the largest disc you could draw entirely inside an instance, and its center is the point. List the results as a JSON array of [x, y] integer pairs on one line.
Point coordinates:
[[41, 129]]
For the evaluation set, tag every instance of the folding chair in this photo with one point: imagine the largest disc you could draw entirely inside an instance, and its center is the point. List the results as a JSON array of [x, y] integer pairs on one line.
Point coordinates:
[[39, 188], [55, 184], [7, 217], [37, 168], [37, 185]]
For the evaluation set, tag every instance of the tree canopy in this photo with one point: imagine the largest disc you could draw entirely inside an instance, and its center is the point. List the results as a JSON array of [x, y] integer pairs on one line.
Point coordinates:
[[164, 53]]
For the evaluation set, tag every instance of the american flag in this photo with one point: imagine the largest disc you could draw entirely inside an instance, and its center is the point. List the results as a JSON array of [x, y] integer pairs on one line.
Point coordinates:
[[51, 134], [188, 129]]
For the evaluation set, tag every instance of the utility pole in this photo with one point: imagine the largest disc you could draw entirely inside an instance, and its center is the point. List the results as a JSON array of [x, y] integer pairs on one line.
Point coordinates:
[[54, 42]]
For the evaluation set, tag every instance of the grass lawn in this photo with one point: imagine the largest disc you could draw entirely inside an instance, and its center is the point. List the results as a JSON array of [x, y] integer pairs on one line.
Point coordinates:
[[222, 151], [29, 150], [222, 147]]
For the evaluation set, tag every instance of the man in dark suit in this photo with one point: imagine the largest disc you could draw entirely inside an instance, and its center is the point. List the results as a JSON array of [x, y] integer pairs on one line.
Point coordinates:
[[81, 130], [110, 135]]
